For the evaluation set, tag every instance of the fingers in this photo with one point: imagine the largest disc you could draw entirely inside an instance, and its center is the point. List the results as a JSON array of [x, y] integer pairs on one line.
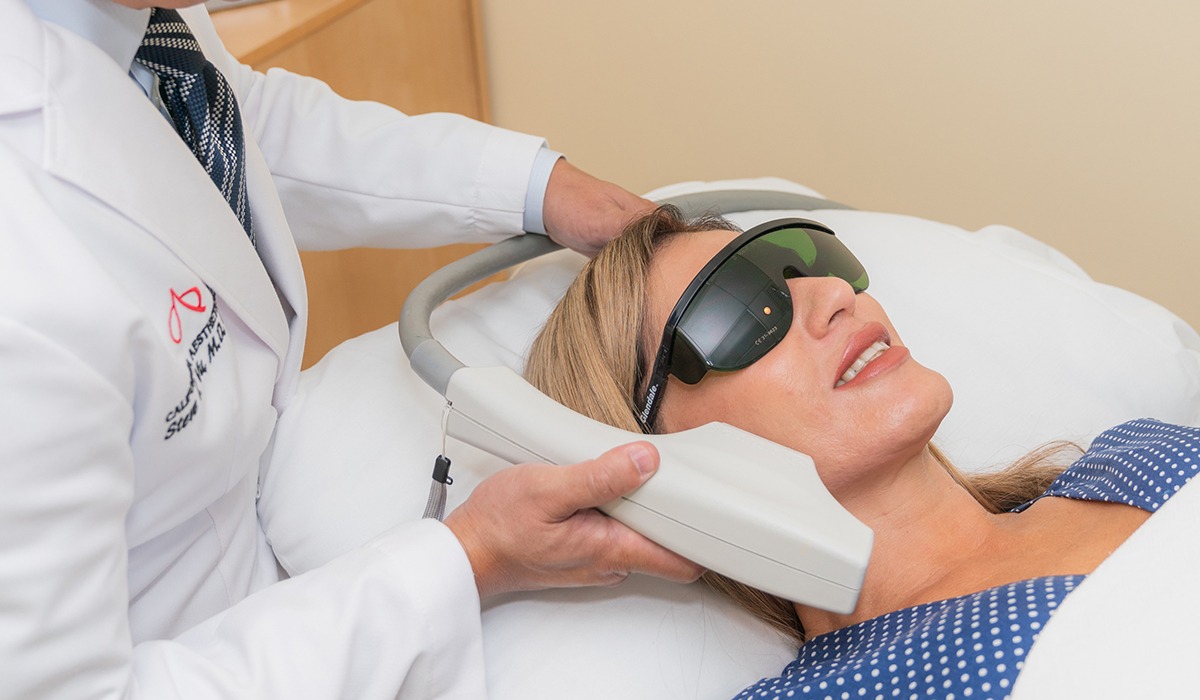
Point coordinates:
[[620, 550], [583, 212], [601, 480], [536, 526], [634, 554]]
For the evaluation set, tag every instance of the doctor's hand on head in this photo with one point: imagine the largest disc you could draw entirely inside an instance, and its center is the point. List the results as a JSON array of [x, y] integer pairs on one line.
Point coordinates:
[[583, 213], [536, 526]]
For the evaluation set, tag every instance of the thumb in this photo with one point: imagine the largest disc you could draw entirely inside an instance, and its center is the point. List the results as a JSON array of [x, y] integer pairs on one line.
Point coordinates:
[[609, 476]]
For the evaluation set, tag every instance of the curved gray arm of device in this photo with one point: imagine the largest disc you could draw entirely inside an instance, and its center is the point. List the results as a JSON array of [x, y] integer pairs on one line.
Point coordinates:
[[733, 502], [434, 364]]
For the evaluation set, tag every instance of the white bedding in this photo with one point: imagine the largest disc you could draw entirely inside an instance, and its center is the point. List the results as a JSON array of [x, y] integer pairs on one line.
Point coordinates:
[[1129, 630], [1034, 348]]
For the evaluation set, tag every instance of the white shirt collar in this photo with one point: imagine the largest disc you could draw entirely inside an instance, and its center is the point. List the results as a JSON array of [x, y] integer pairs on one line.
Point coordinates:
[[117, 30]]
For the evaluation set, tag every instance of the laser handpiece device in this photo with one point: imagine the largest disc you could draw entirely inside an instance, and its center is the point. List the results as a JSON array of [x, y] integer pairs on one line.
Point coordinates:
[[728, 500]]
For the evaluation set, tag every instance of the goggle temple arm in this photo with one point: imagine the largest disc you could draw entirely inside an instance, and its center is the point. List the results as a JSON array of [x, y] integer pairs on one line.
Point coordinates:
[[658, 382]]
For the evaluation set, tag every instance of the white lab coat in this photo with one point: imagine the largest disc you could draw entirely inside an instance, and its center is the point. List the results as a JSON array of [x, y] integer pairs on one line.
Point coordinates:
[[146, 351]]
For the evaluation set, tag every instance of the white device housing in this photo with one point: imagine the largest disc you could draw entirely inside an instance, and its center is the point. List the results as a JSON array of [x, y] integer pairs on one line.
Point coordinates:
[[728, 500]]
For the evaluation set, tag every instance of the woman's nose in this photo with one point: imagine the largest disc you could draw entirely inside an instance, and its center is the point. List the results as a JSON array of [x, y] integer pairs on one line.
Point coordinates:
[[818, 301]]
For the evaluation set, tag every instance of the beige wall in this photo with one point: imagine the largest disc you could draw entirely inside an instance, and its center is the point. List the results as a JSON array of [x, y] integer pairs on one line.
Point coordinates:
[[1075, 121]]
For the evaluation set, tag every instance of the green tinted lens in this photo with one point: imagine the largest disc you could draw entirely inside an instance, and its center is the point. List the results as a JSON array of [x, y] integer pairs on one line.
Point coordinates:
[[802, 252]]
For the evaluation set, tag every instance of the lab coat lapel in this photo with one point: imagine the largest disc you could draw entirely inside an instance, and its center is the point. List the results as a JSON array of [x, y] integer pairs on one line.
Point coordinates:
[[104, 136], [277, 248]]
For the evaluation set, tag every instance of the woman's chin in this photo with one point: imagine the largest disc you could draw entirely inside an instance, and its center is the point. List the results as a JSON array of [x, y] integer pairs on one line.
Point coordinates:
[[914, 413], [887, 438]]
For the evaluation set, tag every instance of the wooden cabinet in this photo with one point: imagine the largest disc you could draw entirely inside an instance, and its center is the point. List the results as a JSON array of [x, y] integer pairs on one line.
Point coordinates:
[[416, 55]]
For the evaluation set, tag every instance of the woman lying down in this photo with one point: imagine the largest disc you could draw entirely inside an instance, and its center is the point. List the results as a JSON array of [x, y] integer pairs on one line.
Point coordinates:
[[682, 322]]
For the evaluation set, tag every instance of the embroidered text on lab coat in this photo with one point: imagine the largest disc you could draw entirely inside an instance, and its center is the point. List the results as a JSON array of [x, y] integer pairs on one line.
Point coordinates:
[[203, 348]]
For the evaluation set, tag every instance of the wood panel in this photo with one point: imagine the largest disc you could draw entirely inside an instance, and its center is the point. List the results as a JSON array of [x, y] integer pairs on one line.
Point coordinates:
[[415, 55]]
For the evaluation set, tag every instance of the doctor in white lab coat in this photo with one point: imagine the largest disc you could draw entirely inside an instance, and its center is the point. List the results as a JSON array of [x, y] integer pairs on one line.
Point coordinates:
[[147, 350]]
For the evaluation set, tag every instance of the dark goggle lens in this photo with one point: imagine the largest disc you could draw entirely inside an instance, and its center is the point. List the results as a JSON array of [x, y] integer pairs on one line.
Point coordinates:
[[735, 318], [744, 308]]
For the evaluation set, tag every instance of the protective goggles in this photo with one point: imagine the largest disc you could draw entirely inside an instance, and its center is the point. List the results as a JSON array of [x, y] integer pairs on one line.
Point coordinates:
[[738, 307]]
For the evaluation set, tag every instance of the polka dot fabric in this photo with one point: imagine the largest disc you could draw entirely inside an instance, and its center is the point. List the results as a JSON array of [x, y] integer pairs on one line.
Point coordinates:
[[967, 647], [1141, 463], [974, 646]]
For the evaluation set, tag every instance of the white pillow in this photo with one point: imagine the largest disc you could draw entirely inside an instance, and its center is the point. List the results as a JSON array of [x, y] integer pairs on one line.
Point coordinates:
[[1034, 349]]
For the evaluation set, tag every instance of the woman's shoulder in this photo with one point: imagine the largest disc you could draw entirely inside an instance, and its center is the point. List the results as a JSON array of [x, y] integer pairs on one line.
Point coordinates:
[[1141, 463]]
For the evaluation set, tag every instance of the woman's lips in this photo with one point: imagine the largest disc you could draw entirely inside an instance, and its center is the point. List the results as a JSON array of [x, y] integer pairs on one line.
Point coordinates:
[[868, 353], [893, 356]]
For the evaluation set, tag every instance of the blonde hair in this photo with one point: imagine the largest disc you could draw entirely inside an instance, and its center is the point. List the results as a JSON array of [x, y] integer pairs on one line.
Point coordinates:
[[591, 353]]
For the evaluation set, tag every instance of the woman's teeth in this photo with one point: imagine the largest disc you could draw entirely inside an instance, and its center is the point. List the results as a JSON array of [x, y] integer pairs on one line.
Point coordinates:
[[867, 356]]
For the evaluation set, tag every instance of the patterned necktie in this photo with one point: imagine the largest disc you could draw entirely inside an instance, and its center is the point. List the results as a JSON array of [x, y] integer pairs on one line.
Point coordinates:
[[201, 105]]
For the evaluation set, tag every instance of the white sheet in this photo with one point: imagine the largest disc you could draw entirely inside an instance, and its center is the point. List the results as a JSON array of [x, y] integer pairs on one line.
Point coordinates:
[[1130, 629]]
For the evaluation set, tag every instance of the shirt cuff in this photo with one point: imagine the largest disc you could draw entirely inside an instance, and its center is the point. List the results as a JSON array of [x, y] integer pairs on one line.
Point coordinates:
[[535, 196]]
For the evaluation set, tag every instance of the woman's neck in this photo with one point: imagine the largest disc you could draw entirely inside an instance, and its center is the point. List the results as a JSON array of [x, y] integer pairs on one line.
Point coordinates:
[[932, 540]]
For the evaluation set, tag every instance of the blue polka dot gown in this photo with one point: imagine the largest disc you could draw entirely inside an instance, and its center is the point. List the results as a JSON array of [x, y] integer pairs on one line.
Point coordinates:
[[974, 646]]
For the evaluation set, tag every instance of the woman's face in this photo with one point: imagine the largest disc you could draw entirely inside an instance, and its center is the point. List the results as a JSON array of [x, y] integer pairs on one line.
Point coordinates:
[[885, 414]]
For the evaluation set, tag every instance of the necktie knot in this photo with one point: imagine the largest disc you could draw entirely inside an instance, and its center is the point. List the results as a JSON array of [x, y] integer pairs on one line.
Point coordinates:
[[169, 48]]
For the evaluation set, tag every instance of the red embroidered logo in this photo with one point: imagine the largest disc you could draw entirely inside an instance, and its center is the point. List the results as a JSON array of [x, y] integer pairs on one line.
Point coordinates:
[[190, 300]]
